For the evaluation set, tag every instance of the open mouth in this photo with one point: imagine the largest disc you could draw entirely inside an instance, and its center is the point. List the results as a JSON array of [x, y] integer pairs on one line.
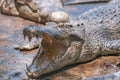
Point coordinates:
[[42, 65], [55, 54]]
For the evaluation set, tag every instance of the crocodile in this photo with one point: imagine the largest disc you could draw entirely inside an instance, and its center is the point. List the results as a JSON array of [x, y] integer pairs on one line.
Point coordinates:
[[93, 34], [40, 11], [36, 10]]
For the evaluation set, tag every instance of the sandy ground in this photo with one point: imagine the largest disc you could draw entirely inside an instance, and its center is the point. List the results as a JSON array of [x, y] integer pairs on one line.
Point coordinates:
[[13, 62]]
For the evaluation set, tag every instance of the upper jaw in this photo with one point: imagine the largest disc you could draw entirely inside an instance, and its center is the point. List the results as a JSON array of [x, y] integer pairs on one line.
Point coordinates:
[[38, 32]]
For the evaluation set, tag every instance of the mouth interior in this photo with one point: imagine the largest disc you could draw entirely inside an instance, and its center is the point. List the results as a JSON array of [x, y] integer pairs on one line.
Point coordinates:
[[56, 49], [50, 50]]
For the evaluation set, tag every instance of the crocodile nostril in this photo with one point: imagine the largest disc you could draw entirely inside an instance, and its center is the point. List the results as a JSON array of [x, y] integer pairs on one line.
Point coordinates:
[[31, 74]]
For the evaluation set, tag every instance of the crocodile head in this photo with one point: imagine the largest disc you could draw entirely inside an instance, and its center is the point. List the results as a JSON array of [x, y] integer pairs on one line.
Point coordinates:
[[58, 49]]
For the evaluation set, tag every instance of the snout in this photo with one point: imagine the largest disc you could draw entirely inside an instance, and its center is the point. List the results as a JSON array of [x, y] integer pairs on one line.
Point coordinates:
[[31, 71], [34, 72], [31, 74]]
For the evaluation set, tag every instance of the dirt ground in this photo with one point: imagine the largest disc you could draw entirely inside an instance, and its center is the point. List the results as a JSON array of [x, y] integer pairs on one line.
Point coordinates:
[[13, 62]]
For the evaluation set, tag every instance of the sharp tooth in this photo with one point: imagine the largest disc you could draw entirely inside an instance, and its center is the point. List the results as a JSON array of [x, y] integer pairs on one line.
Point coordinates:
[[29, 38], [24, 36]]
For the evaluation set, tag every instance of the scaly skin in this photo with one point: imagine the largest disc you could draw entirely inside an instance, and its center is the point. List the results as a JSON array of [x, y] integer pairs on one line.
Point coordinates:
[[7, 7], [96, 33], [36, 10], [40, 11]]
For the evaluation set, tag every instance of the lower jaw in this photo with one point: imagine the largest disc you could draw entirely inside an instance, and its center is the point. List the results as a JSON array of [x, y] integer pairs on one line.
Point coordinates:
[[46, 75]]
